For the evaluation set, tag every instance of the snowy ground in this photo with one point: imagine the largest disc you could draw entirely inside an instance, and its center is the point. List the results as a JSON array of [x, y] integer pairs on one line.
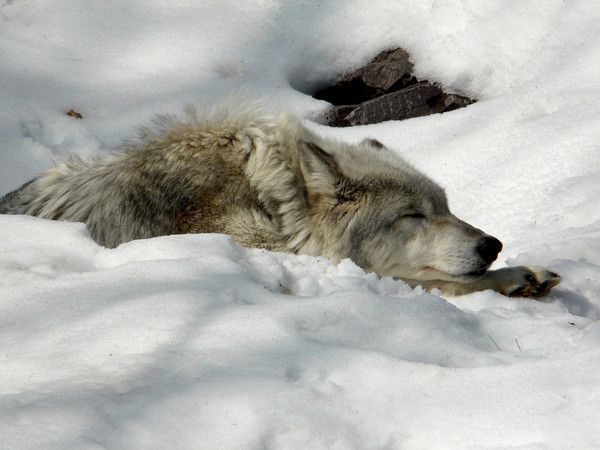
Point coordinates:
[[193, 342]]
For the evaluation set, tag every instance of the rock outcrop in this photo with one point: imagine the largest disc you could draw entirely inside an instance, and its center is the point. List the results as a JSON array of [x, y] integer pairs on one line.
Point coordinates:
[[385, 89]]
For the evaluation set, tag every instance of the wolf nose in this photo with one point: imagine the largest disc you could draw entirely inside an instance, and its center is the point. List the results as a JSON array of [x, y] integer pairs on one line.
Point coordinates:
[[489, 247]]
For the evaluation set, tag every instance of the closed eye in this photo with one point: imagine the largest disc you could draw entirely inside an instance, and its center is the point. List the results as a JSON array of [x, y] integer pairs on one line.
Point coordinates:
[[415, 215]]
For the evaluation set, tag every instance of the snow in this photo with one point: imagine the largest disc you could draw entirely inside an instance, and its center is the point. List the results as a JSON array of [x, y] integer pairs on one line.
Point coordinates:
[[194, 342]]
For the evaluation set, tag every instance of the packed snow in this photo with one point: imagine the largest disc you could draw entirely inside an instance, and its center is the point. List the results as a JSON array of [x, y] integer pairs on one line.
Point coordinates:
[[192, 341]]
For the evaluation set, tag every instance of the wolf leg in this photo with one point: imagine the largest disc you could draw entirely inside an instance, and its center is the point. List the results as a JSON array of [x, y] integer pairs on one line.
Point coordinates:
[[521, 281]]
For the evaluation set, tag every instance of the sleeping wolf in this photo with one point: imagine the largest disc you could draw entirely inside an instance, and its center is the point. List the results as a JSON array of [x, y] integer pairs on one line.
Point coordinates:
[[269, 182]]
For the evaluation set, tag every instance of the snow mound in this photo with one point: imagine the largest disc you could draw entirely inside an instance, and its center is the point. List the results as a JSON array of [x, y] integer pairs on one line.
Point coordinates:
[[195, 340]]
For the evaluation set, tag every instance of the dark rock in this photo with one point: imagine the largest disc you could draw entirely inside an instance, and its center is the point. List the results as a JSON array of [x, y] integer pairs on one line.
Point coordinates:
[[384, 89], [388, 71], [384, 71], [335, 116], [450, 102], [413, 101]]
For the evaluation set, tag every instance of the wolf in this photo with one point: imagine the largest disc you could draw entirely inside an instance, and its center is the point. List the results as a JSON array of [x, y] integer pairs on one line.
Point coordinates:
[[269, 182]]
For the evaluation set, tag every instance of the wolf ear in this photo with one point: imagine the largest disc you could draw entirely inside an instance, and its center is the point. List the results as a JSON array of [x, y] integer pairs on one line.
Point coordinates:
[[373, 143], [320, 171]]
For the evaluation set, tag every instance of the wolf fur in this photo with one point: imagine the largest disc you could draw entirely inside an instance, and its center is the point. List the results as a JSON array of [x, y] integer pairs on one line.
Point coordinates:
[[269, 182]]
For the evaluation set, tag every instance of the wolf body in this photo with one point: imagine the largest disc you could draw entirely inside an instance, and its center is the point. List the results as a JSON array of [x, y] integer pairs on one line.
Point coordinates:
[[269, 182]]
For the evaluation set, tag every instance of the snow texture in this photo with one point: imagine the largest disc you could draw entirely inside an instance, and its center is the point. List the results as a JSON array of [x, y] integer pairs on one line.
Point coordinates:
[[194, 342]]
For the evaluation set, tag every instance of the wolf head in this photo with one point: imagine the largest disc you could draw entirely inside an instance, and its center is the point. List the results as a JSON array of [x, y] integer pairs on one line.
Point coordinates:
[[368, 204]]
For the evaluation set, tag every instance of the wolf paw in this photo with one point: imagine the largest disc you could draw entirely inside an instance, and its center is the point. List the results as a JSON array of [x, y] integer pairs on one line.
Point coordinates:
[[532, 281]]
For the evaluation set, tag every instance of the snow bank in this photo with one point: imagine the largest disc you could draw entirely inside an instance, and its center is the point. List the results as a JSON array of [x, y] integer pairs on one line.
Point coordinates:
[[192, 341]]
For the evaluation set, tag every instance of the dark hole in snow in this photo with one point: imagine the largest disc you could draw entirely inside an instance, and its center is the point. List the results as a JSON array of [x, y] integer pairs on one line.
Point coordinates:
[[384, 89]]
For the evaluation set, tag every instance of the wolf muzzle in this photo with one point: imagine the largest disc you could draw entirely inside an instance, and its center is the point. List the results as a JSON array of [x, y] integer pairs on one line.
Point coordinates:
[[488, 248]]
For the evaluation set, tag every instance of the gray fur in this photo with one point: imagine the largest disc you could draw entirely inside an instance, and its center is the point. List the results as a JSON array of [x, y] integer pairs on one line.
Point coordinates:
[[270, 183]]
